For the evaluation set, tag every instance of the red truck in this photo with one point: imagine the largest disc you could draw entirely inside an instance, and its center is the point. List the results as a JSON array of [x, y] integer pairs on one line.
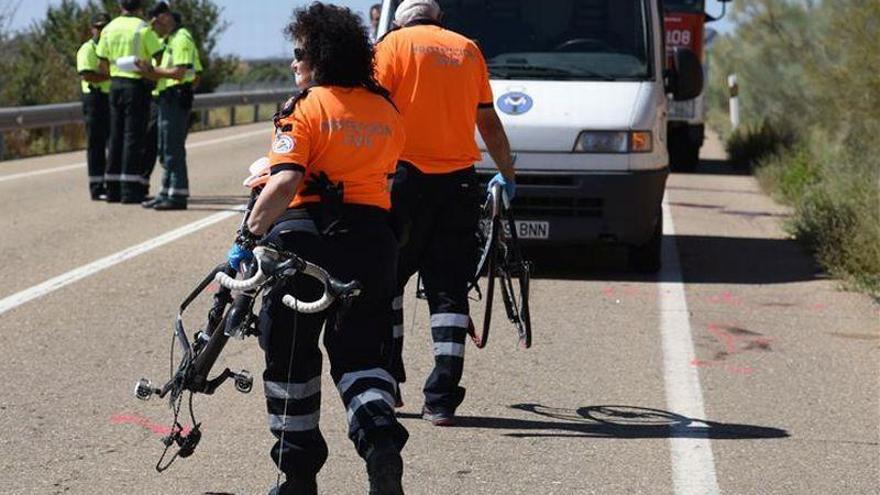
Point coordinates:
[[684, 22]]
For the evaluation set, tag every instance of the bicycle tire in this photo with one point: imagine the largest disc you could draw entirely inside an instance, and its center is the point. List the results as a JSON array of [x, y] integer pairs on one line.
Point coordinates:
[[516, 268], [487, 311], [488, 233]]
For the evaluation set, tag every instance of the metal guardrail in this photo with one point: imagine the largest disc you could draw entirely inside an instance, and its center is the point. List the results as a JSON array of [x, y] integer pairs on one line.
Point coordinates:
[[52, 116], [41, 116]]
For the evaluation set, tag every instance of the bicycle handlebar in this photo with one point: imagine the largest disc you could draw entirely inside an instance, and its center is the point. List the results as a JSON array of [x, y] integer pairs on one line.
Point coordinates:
[[499, 192], [272, 261], [247, 284], [323, 302]]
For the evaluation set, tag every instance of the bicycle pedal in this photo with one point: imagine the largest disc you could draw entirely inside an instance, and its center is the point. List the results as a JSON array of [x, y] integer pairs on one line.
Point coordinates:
[[144, 389], [244, 382]]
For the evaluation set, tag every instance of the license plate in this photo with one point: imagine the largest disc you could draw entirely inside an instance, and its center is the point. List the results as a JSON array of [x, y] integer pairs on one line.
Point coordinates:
[[532, 229]]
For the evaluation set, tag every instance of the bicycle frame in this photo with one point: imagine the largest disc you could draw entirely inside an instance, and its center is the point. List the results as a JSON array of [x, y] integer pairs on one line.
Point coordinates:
[[230, 316], [502, 258]]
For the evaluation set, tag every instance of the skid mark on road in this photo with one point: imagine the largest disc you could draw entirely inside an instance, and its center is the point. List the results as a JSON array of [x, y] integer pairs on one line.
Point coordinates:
[[734, 341], [693, 464]]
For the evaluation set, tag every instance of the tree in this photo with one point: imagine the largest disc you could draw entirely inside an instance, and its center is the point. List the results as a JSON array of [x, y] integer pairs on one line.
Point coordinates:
[[767, 53], [44, 56]]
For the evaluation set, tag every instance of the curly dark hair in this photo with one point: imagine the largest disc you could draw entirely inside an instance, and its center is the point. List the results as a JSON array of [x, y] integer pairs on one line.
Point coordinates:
[[336, 46]]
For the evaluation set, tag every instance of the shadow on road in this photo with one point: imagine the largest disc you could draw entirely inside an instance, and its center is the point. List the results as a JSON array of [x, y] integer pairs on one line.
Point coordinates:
[[719, 167], [622, 422], [704, 259]]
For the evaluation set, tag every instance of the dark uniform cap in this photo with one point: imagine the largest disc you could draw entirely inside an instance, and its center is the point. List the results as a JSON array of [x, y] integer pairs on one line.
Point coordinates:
[[159, 8], [100, 20]]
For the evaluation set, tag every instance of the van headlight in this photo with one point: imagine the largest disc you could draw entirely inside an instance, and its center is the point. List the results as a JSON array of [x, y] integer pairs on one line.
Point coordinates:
[[614, 142]]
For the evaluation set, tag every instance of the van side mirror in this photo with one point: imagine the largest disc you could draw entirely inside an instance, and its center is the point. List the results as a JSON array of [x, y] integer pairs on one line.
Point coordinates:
[[686, 76]]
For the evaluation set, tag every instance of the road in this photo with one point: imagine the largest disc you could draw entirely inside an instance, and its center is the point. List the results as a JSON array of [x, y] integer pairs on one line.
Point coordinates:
[[739, 369]]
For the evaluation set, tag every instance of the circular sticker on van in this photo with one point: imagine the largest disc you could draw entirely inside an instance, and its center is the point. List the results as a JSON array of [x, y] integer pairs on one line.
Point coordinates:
[[515, 103]]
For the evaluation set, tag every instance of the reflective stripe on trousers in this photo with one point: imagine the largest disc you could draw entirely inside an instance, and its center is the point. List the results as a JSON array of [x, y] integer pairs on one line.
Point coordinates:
[[368, 396]]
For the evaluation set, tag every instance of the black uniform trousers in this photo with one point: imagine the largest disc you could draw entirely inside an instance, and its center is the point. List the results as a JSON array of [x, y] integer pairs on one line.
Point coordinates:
[[96, 110], [151, 145], [358, 341], [436, 218], [175, 104], [129, 112]]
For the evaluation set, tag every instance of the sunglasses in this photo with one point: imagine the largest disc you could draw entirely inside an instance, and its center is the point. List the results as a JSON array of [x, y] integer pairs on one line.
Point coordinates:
[[299, 54]]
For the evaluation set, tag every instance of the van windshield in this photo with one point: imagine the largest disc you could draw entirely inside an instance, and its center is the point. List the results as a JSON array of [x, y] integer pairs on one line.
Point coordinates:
[[602, 40]]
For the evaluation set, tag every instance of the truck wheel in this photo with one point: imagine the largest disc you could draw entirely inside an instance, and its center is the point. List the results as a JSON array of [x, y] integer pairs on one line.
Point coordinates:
[[647, 257]]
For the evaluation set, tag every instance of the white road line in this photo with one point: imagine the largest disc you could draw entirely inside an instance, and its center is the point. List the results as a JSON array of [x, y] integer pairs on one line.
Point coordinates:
[[94, 267], [693, 464], [200, 144], [24, 175]]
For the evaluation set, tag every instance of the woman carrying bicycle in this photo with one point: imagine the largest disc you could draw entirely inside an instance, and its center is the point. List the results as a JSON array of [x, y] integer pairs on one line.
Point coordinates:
[[327, 200]]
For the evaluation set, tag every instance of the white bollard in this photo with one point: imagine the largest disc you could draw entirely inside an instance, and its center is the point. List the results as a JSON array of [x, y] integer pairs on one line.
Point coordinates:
[[733, 87]]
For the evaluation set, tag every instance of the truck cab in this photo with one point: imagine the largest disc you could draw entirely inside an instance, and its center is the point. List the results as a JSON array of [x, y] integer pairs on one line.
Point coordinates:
[[581, 88]]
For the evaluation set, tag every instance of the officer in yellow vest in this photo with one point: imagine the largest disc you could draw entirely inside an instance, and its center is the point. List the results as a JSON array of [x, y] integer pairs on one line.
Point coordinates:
[[175, 75], [126, 47], [96, 106], [152, 146]]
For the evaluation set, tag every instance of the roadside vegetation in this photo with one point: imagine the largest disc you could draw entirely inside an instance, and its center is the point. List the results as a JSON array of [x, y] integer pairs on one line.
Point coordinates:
[[39, 63], [809, 78]]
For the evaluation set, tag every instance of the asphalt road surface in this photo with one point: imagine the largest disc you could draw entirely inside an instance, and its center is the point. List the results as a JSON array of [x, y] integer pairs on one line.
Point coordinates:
[[739, 369]]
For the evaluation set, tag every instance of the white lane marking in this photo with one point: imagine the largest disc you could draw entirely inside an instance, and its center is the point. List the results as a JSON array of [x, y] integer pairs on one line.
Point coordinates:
[[41, 172], [693, 464], [200, 144], [94, 267]]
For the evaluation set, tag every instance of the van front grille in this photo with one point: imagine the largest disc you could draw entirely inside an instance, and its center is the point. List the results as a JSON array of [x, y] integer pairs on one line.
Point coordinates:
[[545, 206]]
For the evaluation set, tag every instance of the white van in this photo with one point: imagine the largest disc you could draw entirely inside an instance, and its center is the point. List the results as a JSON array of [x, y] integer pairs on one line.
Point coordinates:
[[581, 88]]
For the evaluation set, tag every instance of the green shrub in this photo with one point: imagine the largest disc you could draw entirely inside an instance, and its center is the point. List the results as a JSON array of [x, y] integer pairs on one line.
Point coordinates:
[[749, 145], [842, 226], [789, 174]]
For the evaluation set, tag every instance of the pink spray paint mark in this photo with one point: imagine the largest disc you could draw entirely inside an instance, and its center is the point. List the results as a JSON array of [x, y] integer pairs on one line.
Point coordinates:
[[134, 419], [730, 368], [729, 341], [725, 298]]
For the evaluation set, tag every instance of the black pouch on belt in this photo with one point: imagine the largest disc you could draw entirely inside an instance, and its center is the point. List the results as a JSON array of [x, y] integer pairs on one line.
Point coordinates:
[[329, 213]]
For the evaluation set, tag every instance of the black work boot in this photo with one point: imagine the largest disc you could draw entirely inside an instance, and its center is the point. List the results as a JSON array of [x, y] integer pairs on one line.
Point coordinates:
[[296, 487], [385, 468]]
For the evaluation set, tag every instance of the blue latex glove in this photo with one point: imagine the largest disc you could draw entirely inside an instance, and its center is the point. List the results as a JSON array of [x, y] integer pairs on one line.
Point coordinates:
[[509, 186], [237, 254]]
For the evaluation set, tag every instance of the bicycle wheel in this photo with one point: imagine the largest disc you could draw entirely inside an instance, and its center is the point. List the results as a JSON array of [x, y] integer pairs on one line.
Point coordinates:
[[515, 275], [488, 232]]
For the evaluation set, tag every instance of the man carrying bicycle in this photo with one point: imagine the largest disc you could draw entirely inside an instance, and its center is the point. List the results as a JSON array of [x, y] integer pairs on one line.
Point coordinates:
[[327, 200], [440, 83]]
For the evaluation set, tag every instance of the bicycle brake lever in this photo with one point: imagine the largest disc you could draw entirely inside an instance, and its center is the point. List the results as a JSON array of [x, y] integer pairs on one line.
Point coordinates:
[[345, 294]]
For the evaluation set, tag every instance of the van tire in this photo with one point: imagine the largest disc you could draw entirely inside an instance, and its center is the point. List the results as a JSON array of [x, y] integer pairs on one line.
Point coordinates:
[[647, 258]]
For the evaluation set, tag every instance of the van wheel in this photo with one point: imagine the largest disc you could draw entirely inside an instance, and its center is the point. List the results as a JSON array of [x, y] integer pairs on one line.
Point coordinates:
[[647, 257]]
